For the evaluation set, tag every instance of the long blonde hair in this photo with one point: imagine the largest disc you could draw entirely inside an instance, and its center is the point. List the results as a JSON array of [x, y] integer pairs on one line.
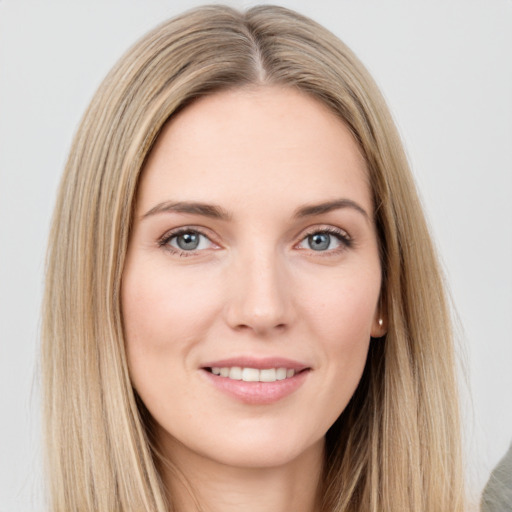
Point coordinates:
[[396, 447]]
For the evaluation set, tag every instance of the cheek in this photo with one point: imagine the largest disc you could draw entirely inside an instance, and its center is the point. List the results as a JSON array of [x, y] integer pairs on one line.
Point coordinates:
[[341, 318], [158, 305], [165, 315], [344, 308]]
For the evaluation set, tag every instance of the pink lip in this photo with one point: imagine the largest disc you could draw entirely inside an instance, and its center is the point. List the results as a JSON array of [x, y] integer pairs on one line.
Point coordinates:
[[255, 362], [257, 393]]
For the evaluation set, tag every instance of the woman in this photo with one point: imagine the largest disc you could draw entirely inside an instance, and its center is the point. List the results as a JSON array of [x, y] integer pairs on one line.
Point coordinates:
[[243, 306]]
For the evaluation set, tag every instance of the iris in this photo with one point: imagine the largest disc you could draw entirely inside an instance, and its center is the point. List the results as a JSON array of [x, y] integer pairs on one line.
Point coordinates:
[[319, 241], [188, 241]]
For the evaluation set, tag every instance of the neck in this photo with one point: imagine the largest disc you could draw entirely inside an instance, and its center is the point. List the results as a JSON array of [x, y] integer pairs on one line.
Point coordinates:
[[197, 484]]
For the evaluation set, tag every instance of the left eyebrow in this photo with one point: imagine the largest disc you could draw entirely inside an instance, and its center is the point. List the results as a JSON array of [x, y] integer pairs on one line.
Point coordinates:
[[191, 207], [318, 209]]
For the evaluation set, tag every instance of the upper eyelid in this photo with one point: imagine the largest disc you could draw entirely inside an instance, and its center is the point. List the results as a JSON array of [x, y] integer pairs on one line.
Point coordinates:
[[185, 229], [325, 228]]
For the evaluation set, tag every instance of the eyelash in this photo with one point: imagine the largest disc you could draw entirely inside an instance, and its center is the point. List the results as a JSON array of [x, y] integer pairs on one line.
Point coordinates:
[[164, 241], [339, 234]]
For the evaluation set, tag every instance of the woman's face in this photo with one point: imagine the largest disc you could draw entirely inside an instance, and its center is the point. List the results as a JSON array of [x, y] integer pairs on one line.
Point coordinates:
[[252, 278]]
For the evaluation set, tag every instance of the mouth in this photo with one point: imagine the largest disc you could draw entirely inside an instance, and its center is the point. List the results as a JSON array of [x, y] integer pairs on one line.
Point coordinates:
[[248, 374], [256, 381]]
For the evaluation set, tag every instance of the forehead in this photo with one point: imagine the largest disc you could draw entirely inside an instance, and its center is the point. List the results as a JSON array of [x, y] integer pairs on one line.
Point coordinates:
[[252, 145]]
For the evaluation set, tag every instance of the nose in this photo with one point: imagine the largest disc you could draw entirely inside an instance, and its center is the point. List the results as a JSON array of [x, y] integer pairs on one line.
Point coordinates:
[[259, 295]]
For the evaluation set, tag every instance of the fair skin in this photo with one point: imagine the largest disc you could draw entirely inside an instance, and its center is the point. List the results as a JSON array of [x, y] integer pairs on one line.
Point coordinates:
[[253, 246]]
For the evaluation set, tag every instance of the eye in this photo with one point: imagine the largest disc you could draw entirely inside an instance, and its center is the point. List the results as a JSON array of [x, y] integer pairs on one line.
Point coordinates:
[[186, 240], [325, 240]]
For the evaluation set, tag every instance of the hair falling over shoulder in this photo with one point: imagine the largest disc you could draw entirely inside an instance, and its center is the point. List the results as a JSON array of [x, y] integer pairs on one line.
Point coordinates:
[[397, 446]]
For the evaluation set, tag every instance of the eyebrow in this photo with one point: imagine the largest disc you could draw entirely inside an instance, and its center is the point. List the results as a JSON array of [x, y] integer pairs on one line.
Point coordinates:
[[217, 212], [328, 206], [195, 208]]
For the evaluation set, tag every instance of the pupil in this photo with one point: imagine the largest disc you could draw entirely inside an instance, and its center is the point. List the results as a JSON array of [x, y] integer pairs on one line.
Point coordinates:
[[188, 241], [319, 241]]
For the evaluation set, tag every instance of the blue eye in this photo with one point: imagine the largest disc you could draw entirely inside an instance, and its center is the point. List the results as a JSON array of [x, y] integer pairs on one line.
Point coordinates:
[[325, 240], [319, 241], [187, 241]]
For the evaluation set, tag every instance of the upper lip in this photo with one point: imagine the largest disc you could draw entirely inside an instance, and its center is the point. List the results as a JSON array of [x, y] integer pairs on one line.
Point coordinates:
[[257, 362]]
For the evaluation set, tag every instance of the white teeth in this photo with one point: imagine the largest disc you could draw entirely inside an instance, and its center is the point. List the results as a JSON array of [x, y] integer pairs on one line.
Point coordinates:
[[250, 375], [253, 374], [281, 373], [235, 373], [268, 375]]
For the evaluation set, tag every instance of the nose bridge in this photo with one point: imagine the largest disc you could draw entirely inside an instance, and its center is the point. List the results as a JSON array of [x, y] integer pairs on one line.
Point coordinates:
[[259, 298]]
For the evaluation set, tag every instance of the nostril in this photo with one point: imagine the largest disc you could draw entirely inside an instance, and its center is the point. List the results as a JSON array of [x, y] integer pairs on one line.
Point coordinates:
[[261, 328]]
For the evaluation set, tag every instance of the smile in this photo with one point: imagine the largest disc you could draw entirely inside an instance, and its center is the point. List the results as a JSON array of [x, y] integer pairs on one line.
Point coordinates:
[[256, 381], [253, 374]]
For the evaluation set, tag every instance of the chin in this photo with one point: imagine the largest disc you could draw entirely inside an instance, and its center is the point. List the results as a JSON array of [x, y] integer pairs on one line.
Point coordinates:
[[254, 450]]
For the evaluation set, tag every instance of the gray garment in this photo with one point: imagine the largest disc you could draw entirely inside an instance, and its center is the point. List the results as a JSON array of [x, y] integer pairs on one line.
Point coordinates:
[[497, 495]]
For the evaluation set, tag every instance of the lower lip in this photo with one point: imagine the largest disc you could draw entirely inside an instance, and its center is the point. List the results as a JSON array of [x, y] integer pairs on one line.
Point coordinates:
[[257, 393]]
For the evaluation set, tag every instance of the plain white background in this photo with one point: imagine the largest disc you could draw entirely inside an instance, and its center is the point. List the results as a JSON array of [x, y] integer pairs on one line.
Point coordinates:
[[445, 68]]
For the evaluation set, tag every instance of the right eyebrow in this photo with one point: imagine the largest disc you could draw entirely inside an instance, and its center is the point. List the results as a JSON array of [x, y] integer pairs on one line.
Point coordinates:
[[207, 210], [319, 209]]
